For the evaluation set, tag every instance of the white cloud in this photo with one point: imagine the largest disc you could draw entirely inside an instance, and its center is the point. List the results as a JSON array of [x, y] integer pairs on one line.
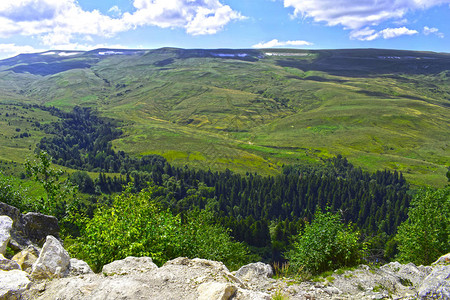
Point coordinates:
[[115, 11], [60, 21], [277, 43], [357, 14], [8, 50], [197, 17], [427, 31], [390, 33], [367, 34]]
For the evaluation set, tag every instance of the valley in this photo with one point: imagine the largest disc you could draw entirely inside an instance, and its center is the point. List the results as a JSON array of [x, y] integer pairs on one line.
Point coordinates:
[[246, 110]]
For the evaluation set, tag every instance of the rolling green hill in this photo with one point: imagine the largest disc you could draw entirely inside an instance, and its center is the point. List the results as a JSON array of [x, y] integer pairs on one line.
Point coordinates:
[[247, 110]]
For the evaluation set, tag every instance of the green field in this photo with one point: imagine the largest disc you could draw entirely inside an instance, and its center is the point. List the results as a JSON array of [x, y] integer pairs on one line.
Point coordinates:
[[250, 113]]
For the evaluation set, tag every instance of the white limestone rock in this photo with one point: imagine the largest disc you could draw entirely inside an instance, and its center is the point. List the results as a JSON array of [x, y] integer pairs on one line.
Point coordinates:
[[79, 267], [437, 284], [6, 224], [216, 291], [53, 261], [13, 284], [254, 271], [129, 265]]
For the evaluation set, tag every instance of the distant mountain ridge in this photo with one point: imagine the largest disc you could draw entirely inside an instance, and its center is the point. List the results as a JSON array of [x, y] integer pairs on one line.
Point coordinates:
[[369, 60]]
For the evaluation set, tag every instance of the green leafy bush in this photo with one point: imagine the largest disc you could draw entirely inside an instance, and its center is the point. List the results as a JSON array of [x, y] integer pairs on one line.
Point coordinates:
[[425, 235], [136, 225], [326, 244]]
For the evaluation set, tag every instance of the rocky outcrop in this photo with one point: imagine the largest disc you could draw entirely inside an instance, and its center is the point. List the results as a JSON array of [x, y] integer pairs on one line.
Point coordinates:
[[183, 278], [139, 278], [49, 273], [53, 261]]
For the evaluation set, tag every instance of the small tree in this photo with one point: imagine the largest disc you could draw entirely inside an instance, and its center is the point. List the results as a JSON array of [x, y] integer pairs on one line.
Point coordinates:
[[41, 171], [425, 235], [326, 244]]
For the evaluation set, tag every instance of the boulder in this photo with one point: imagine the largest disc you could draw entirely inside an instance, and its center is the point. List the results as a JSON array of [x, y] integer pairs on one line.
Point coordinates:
[[254, 271], [129, 265], [79, 267], [10, 211], [6, 224], [26, 258], [13, 284], [437, 284], [216, 291], [36, 227], [53, 260]]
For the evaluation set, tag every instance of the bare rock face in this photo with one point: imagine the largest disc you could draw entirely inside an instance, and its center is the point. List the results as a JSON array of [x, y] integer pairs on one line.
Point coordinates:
[[6, 224], [139, 278], [13, 284], [129, 265], [26, 258], [53, 261]]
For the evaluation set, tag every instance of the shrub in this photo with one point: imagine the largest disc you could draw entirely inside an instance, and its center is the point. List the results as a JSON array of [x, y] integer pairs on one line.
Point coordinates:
[[326, 244], [136, 225], [425, 235]]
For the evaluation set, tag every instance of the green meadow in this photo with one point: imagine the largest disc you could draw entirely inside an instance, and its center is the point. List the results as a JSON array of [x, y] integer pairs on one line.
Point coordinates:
[[252, 114]]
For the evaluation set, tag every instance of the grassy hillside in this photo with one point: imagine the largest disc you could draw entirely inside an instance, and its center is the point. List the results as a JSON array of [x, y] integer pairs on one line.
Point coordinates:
[[252, 110]]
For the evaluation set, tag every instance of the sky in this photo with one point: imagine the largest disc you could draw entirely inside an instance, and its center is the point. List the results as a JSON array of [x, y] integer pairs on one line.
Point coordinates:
[[40, 25]]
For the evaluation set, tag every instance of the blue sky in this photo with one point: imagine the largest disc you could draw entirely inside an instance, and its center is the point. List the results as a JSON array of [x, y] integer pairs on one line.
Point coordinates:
[[40, 25]]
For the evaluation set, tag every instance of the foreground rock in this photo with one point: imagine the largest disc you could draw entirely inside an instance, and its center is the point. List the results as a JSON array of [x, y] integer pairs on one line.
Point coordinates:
[[53, 261], [13, 284], [6, 224], [139, 278], [183, 278], [26, 258], [437, 284]]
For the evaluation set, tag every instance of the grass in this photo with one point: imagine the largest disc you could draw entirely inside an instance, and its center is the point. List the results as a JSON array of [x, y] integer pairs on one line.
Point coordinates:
[[255, 116], [15, 120]]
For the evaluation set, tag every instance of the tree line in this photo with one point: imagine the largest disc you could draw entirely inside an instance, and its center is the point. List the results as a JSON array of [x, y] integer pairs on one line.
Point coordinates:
[[251, 205]]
